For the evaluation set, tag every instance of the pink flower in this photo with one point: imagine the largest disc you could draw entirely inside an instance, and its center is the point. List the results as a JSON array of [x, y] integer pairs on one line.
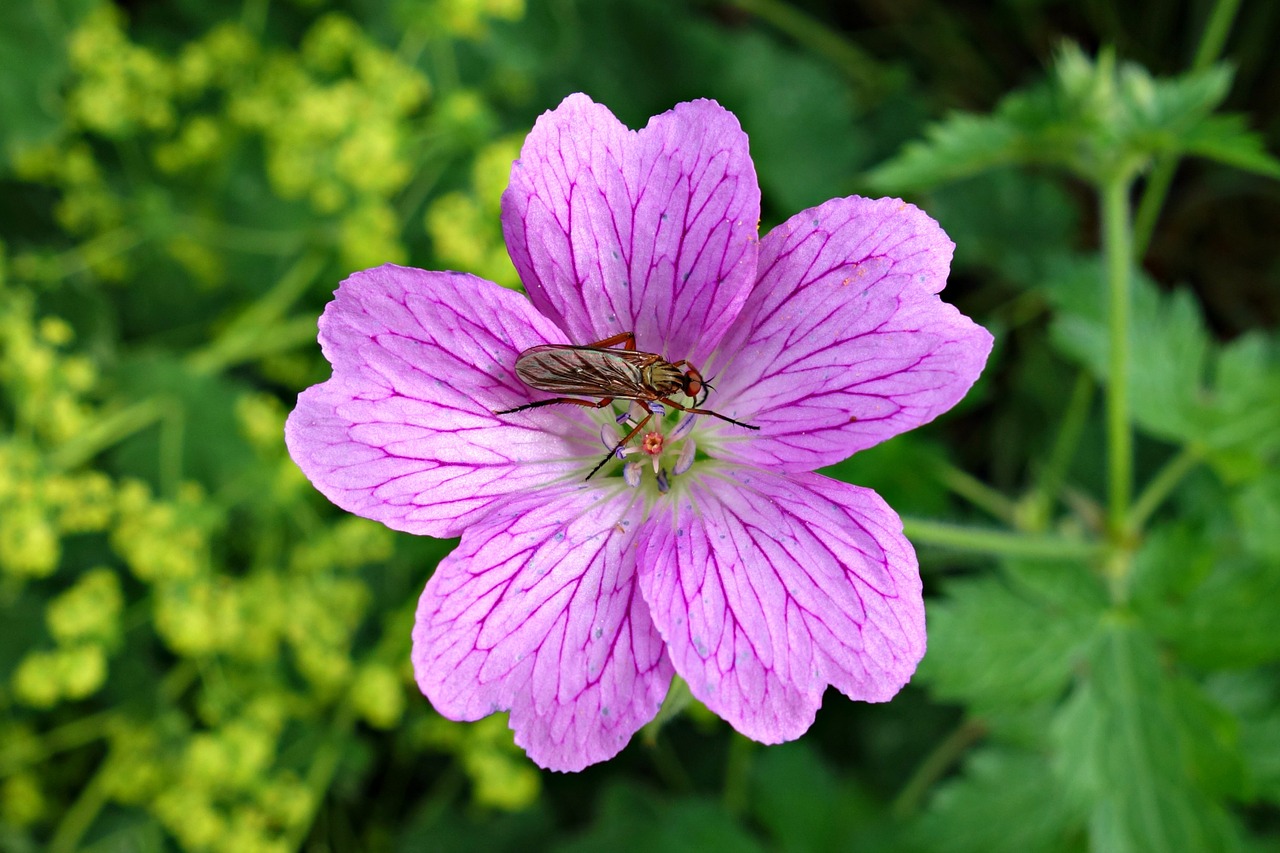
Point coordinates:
[[572, 602]]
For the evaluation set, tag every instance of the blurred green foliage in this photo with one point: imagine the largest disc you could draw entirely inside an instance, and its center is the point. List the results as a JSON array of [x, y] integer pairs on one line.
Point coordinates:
[[200, 653]]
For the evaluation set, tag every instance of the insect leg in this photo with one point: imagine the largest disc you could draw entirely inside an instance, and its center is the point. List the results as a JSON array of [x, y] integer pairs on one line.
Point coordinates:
[[628, 337], [616, 447], [598, 404], [696, 411]]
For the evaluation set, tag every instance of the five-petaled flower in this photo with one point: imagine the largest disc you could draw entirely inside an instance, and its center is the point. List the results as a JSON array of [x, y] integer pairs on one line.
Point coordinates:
[[710, 551]]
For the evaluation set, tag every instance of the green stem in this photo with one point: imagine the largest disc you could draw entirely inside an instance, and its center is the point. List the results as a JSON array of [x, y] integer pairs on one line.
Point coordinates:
[[258, 330], [1162, 485], [324, 765], [94, 251], [1117, 249], [817, 37], [241, 238], [109, 431], [71, 735], [1157, 188], [997, 542], [978, 493], [1064, 447], [945, 754], [80, 816], [737, 775]]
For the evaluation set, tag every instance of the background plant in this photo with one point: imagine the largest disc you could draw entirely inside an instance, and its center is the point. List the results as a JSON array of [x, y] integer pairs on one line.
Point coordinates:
[[200, 653]]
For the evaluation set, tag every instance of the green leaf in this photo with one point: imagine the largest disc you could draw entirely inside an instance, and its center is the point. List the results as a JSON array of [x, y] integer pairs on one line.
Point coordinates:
[[899, 471], [632, 818], [1094, 118], [1198, 593], [1007, 220], [203, 441], [1257, 512], [1227, 139], [1184, 388], [1252, 698], [800, 117], [995, 649], [1123, 749], [1007, 800], [803, 804], [33, 61]]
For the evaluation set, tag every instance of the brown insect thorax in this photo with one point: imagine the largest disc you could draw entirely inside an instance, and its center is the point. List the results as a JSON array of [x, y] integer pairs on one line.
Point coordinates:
[[663, 377]]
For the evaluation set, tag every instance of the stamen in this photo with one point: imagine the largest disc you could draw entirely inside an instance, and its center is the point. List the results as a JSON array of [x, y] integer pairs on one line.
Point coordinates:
[[631, 474], [682, 429], [663, 485], [685, 460]]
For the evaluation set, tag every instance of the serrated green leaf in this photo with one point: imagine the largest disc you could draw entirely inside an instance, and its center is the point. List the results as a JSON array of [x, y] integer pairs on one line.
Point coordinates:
[[1222, 624], [1228, 139], [1199, 594], [994, 649], [1183, 387], [1215, 764], [1257, 512], [1006, 801], [1094, 118], [1252, 698], [1122, 748]]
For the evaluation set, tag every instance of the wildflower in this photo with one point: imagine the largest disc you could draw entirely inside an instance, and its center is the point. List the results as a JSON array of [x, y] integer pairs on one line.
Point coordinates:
[[709, 550]]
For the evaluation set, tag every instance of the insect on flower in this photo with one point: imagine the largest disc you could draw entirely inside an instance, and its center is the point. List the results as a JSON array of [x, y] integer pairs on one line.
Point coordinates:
[[601, 370]]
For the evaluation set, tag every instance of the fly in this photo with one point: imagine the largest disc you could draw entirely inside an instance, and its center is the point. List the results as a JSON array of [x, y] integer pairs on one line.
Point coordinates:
[[601, 370]]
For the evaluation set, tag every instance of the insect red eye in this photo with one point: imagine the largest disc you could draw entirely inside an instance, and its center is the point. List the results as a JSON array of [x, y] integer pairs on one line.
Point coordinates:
[[693, 382]]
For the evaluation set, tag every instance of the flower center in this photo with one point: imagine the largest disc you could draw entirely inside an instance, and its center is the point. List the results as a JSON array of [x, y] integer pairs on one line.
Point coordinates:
[[669, 449], [652, 444]]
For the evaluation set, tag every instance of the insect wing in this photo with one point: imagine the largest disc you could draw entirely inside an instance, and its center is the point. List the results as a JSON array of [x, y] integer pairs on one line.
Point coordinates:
[[589, 371]]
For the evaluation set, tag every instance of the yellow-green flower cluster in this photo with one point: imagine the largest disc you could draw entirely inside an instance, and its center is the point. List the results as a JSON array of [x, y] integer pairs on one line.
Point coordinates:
[[470, 18], [216, 789], [465, 227], [501, 777], [186, 629], [336, 121], [45, 383], [84, 622]]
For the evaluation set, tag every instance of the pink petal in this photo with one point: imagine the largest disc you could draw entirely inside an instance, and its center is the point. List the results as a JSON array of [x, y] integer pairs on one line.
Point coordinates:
[[404, 431], [769, 587], [537, 612], [652, 231], [844, 342]]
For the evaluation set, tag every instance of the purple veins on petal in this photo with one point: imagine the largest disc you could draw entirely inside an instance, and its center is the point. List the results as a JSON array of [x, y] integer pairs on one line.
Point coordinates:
[[382, 438], [553, 647], [571, 603], [587, 209], [758, 630], [803, 356]]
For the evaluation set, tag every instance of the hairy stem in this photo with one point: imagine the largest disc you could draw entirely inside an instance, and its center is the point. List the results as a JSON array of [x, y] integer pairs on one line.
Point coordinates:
[[1162, 484], [1153, 196], [1118, 253], [997, 543]]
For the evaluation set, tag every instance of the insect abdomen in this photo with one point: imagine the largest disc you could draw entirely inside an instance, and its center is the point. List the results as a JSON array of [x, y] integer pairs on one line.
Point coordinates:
[[579, 370]]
